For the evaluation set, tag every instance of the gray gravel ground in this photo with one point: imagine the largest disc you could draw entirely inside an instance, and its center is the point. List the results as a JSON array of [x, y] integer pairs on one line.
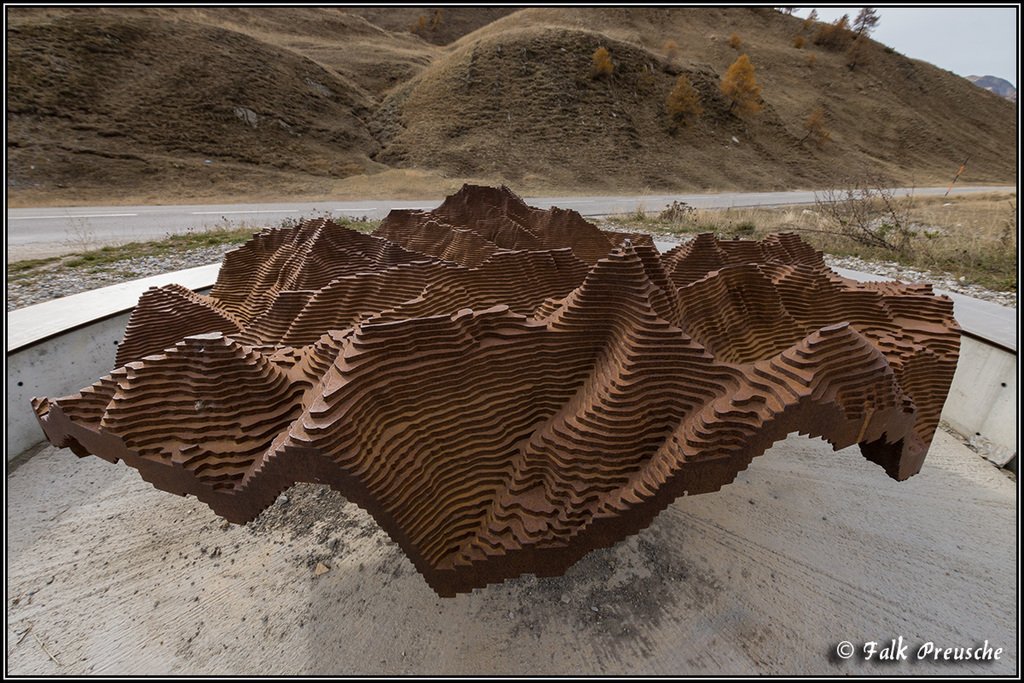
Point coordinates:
[[939, 280], [58, 283], [21, 293]]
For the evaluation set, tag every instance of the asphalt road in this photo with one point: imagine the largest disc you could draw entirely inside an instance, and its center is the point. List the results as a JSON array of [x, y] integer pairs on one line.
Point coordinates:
[[80, 226]]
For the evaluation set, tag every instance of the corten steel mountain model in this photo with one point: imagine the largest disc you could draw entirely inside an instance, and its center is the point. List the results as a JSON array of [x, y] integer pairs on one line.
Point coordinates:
[[506, 388]]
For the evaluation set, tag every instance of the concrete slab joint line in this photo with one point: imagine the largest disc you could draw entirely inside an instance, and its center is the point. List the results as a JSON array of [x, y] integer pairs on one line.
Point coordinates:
[[505, 388]]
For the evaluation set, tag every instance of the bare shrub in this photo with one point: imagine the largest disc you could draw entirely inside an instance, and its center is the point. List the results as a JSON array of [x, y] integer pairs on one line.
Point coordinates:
[[869, 211], [677, 212]]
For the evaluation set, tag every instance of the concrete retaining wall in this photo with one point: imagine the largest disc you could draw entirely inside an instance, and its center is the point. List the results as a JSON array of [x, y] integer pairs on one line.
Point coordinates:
[[58, 366], [982, 402], [59, 347]]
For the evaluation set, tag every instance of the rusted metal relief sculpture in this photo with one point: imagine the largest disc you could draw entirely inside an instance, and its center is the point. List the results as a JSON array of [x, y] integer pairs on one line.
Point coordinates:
[[504, 388]]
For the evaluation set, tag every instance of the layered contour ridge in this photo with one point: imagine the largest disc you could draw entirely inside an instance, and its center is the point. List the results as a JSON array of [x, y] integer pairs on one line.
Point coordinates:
[[506, 388]]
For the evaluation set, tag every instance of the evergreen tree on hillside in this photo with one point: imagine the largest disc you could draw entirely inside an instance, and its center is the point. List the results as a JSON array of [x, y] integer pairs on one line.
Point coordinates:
[[815, 127], [858, 54], [866, 21], [683, 102], [740, 86]]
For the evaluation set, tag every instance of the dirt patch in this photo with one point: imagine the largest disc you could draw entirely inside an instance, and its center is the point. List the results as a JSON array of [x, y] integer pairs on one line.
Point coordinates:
[[613, 595]]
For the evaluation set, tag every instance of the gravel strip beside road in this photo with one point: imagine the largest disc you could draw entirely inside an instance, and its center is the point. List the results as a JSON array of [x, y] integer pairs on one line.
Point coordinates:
[[939, 280], [36, 290], [21, 293]]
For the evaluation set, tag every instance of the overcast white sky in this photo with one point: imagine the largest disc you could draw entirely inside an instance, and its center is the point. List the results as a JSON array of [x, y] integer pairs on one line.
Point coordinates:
[[978, 41]]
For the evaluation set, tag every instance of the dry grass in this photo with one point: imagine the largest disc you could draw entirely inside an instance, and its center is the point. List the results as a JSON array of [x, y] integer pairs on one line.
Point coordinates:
[[972, 236], [137, 105], [113, 258]]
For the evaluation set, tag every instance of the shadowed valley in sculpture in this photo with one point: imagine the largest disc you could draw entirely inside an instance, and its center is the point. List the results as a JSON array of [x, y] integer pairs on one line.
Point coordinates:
[[506, 388]]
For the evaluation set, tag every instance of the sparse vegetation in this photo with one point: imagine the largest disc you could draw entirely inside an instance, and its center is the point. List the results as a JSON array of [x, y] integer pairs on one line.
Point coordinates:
[[671, 51], [811, 59], [815, 126], [677, 213], [858, 54], [969, 236], [29, 264], [740, 86], [345, 109], [111, 258], [811, 19], [834, 36], [683, 103], [798, 42], [734, 41], [601, 64]]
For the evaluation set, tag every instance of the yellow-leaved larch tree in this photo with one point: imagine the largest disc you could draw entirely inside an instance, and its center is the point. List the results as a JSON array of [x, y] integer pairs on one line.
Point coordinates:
[[740, 86]]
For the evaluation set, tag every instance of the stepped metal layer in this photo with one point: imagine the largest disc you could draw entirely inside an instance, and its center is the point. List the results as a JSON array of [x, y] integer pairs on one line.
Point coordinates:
[[504, 388]]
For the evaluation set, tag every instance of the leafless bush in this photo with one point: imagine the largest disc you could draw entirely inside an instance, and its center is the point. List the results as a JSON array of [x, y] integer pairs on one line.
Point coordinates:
[[677, 212], [869, 211], [78, 234]]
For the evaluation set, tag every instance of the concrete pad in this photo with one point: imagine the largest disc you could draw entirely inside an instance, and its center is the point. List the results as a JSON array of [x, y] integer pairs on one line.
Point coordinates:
[[806, 549]]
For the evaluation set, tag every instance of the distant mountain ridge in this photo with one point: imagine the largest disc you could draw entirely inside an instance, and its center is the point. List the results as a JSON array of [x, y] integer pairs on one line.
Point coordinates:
[[1000, 86]]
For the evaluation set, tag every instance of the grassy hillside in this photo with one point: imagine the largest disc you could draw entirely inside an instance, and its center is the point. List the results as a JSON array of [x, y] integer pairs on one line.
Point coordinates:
[[105, 101], [522, 84], [180, 104]]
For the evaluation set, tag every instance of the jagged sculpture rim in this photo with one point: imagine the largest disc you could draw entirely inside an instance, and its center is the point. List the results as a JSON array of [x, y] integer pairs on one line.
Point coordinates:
[[504, 388]]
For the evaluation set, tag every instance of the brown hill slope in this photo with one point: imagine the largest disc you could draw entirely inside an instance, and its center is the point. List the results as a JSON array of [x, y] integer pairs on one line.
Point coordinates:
[[515, 99], [452, 22], [130, 103], [117, 100]]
